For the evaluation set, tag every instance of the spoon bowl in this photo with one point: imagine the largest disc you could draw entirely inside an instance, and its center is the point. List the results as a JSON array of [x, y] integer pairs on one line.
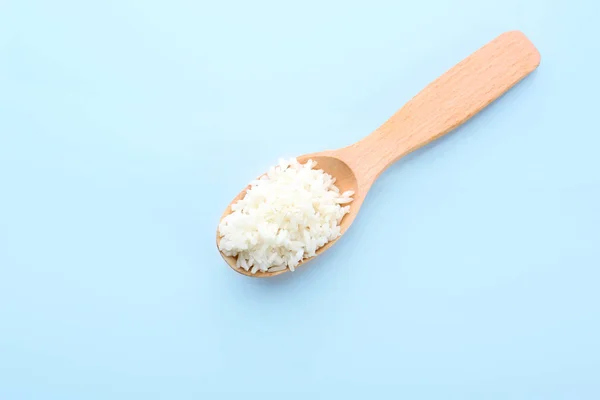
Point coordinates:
[[345, 180], [443, 105]]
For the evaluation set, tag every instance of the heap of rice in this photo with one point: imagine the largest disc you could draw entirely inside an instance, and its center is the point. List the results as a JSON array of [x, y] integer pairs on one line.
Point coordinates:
[[284, 217]]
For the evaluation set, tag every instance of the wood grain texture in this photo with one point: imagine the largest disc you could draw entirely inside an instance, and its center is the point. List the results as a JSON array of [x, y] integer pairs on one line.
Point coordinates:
[[443, 105]]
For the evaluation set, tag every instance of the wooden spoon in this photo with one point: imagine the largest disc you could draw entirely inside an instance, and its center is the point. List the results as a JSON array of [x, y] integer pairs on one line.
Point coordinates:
[[443, 105]]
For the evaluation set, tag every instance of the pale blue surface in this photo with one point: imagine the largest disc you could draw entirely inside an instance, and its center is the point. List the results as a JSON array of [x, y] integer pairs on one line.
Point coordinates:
[[126, 127]]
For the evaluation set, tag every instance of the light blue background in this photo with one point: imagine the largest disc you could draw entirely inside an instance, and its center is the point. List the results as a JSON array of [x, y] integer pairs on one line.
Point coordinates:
[[126, 127]]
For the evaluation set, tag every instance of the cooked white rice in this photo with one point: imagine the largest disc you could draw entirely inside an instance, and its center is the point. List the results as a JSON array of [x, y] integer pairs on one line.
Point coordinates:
[[284, 217]]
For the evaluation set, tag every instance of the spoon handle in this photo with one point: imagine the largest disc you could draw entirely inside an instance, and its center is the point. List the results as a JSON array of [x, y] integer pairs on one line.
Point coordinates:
[[446, 103]]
